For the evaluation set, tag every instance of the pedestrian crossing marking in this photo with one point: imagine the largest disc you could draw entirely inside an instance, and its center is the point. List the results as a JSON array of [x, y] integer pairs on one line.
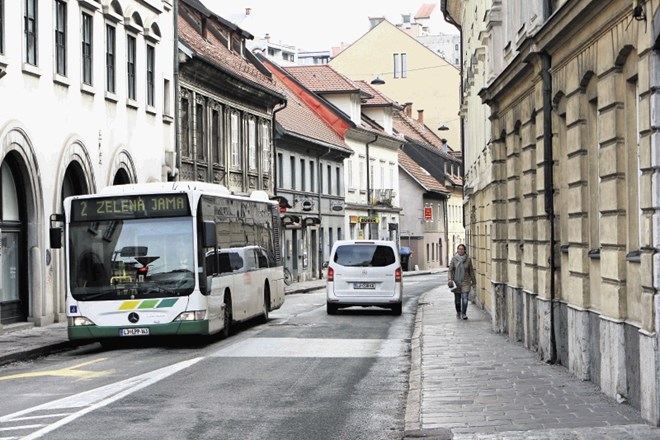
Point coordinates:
[[64, 372], [313, 348]]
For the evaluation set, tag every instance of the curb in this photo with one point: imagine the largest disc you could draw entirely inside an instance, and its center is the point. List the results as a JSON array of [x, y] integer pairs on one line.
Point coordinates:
[[34, 353]]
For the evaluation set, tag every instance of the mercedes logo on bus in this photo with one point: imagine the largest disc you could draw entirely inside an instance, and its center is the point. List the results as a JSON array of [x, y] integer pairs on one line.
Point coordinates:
[[133, 317]]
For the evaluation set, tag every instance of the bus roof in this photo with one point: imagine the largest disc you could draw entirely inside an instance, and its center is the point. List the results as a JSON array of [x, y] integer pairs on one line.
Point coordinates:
[[182, 186]]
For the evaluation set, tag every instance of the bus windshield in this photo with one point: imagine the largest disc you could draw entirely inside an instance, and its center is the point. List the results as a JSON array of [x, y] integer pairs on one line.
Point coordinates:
[[131, 258]]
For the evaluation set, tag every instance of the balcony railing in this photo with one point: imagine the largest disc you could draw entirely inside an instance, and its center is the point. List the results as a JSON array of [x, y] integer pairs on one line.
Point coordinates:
[[382, 197]]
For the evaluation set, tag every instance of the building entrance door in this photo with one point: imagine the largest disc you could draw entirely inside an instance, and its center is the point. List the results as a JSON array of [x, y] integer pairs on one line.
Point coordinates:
[[14, 296]]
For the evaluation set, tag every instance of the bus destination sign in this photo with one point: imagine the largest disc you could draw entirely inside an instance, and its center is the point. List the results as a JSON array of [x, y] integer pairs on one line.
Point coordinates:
[[127, 207]]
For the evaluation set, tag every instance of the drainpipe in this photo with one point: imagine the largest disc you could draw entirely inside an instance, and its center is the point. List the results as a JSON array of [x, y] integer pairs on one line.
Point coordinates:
[[369, 187], [177, 144], [274, 152], [549, 189], [318, 197]]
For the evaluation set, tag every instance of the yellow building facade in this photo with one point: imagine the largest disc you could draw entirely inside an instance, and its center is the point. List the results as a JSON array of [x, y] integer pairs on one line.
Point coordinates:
[[412, 73], [566, 225]]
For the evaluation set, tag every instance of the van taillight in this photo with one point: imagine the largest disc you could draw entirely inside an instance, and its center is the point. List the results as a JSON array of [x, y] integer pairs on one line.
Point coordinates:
[[331, 274], [397, 275]]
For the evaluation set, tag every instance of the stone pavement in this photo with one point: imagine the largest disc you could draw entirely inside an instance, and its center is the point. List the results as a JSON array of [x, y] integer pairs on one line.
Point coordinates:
[[466, 382]]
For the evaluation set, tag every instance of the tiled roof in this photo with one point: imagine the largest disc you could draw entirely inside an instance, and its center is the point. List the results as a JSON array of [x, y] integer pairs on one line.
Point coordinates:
[[418, 132], [372, 96], [216, 52], [323, 78], [420, 174], [298, 118], [425, 10]]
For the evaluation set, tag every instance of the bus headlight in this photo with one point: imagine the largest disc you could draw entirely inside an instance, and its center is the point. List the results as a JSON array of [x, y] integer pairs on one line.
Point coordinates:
[[76, 321], [196, 315]]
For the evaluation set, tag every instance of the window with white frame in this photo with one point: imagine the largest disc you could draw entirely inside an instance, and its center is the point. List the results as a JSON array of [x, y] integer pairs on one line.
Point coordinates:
[[31, 25], [151, 68], [110, 58], [391, 176], [363, 176], [265, 147], [252, 144], [382, 175], [60, 37], [312, 174], [87, 44], [397, 72], [234, 141], [400, 61], [372, 169], [349, 173], [131, 58]]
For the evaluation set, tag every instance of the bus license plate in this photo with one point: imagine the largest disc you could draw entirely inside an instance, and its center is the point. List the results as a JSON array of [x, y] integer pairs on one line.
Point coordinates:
[[134, 332], [364, 286]]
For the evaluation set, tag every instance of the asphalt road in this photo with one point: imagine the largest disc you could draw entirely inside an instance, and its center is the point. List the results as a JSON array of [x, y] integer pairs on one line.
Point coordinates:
[[302, 375]]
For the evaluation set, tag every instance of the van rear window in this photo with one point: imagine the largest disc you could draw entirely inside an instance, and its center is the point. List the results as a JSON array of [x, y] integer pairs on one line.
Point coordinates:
[[352, 255]]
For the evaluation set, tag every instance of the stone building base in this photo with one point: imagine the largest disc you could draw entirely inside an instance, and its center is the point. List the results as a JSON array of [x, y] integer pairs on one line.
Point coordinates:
[[617, 356]]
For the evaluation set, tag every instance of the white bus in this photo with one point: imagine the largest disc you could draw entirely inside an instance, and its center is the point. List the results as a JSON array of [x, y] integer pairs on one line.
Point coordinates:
[[175, 258]]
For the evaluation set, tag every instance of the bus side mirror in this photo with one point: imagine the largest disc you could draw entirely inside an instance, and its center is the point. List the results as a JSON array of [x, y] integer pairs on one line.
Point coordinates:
[[209, 239], [56, 238], [56, 231]]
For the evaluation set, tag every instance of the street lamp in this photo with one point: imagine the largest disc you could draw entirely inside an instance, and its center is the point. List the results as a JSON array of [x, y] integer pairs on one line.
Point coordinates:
[[377, 81], [443, 127]]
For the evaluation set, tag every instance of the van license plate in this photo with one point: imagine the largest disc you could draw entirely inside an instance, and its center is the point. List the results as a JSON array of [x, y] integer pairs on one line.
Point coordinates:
[[364, 286], [134, 332]]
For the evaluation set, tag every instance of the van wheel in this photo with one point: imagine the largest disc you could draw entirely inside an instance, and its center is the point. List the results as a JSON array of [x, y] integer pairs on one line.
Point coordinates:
[[226, 330], [331, 309], [396, 310]]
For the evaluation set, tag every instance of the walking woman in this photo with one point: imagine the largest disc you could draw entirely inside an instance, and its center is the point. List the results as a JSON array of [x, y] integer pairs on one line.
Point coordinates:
[[461, 280]]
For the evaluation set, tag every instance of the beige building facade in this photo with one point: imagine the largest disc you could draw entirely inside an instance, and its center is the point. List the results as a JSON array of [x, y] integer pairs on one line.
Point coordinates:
[[412, 73], [565, 225]]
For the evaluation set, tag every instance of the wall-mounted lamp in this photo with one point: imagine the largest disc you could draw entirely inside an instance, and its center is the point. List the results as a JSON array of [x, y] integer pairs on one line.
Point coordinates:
[[377, 81], [443, 127]]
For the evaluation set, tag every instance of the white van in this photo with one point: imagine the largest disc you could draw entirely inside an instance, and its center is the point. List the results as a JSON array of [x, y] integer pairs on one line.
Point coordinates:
[[364, 273]]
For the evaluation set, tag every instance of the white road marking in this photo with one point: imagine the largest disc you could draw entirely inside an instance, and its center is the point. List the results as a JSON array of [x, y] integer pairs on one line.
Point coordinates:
[[42, 416], [96, 398], [313, 348], [15, 428]]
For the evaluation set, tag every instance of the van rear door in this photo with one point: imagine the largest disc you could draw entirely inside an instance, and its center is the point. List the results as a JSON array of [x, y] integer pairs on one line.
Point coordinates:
[[364, 269]]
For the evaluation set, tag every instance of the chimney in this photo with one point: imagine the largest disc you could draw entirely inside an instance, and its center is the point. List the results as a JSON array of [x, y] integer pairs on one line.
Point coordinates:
[[407, 109], [420, 116], [248, 11]]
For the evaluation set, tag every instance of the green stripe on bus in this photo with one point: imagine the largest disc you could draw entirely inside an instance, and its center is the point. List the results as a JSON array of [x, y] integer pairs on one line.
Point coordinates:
[[148, 304], [167, 303]]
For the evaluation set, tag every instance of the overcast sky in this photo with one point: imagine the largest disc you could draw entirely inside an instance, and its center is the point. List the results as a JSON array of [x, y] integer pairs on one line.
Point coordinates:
[[316, 25]]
